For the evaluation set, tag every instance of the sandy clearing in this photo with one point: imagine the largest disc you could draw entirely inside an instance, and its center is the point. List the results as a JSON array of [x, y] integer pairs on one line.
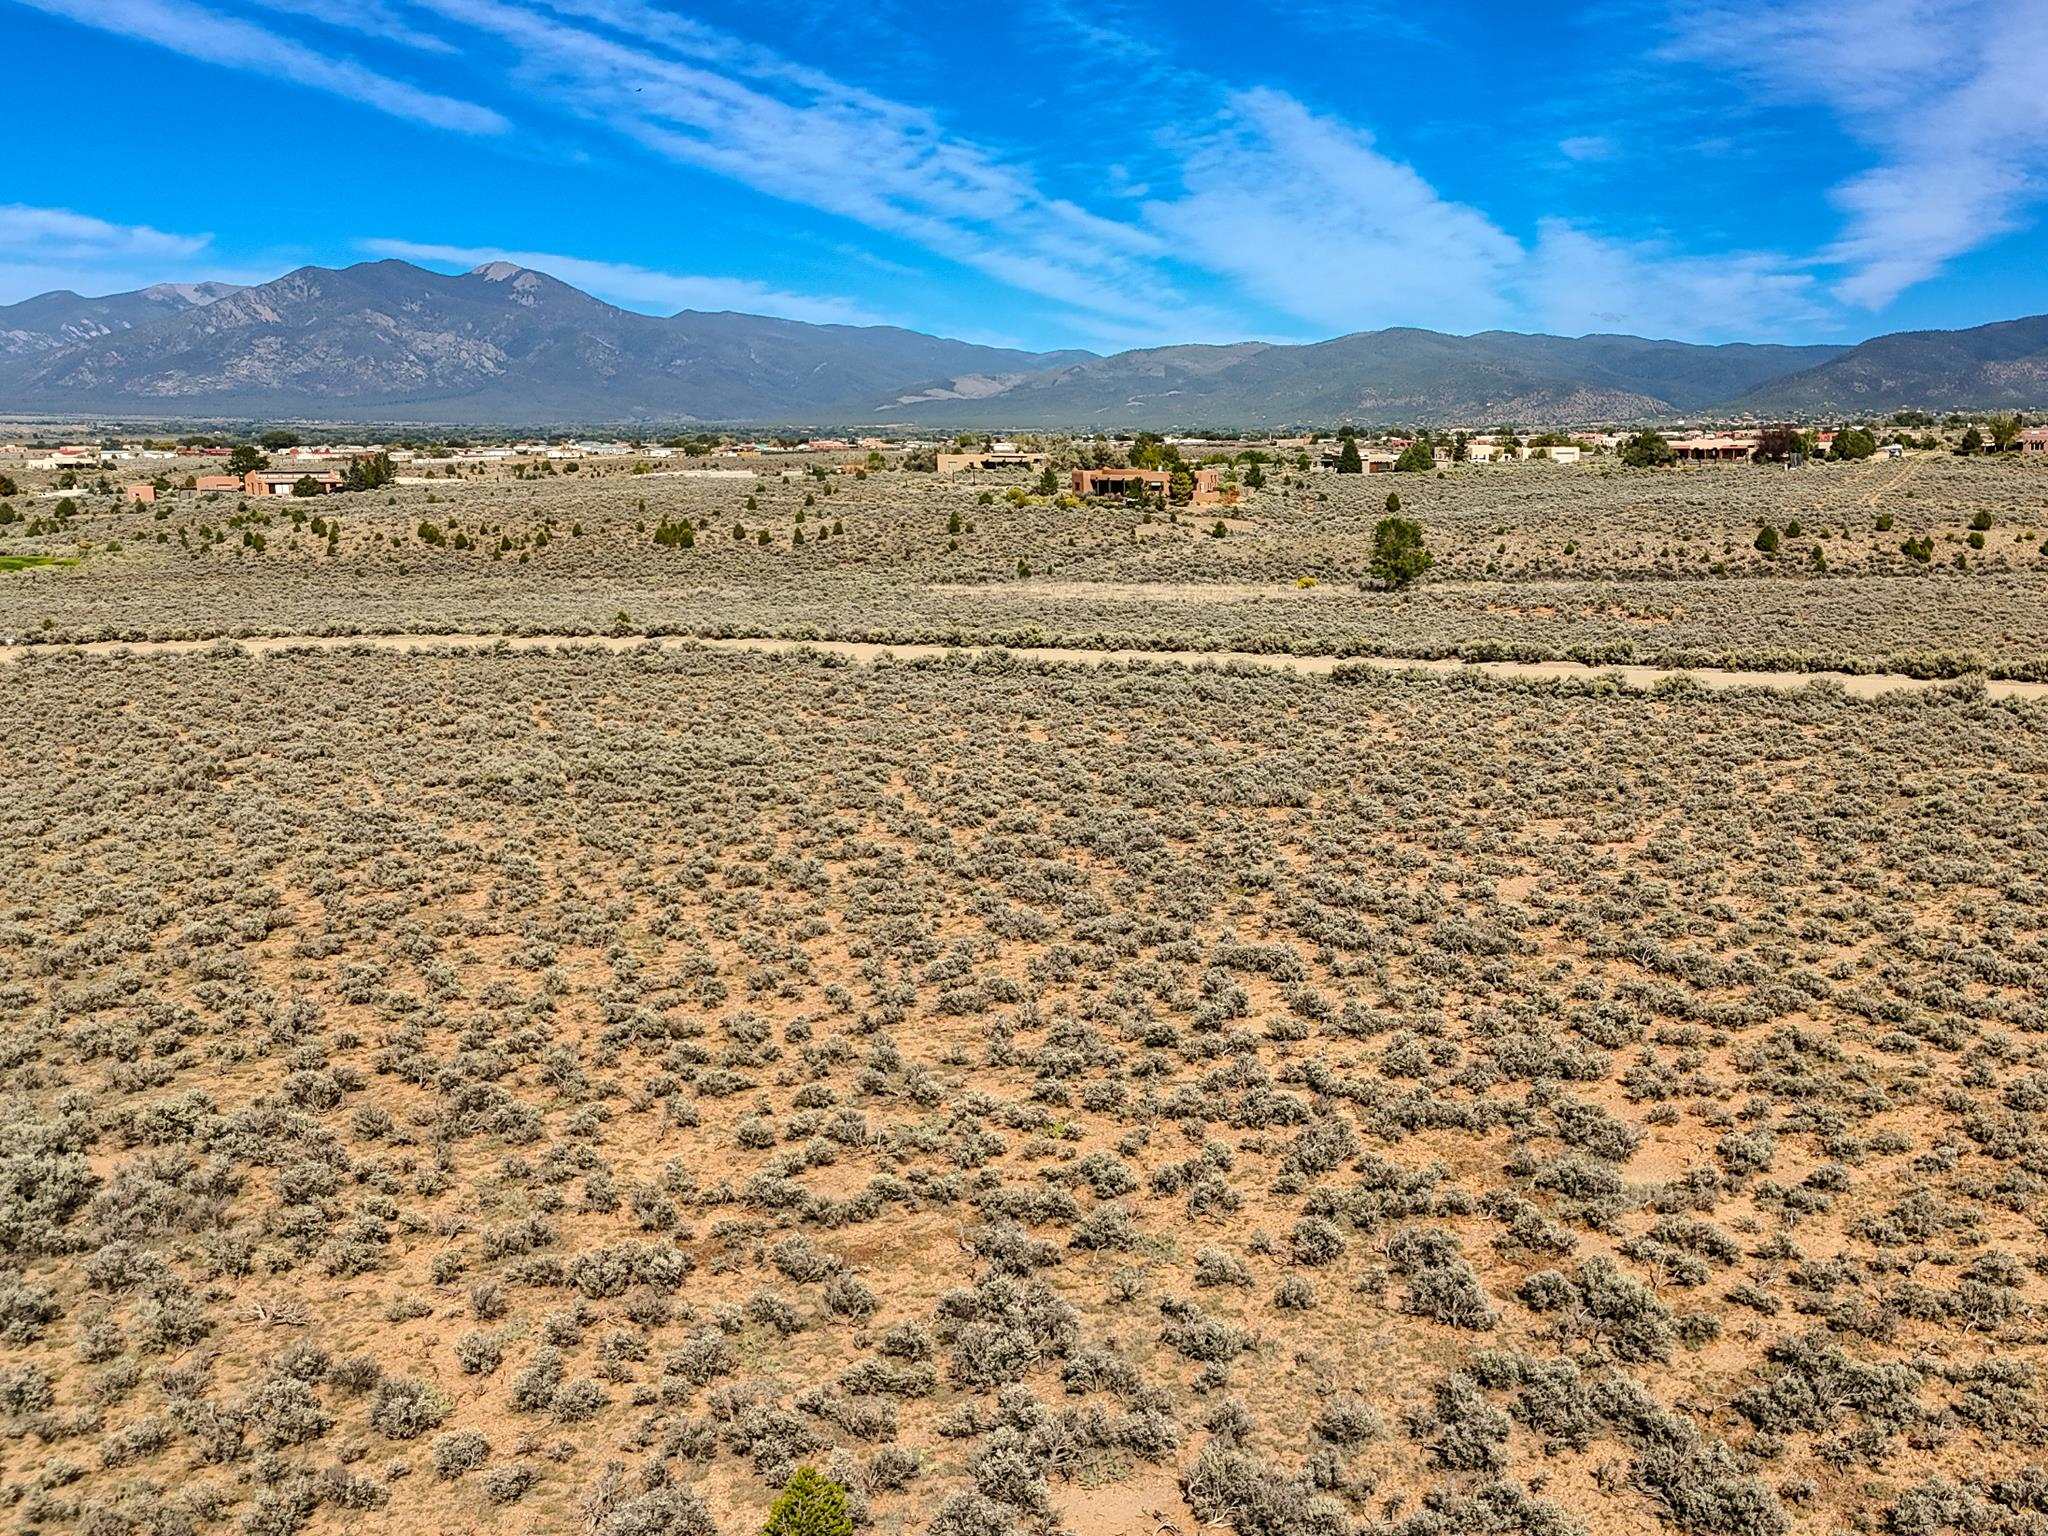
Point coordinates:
[[1867, 685]]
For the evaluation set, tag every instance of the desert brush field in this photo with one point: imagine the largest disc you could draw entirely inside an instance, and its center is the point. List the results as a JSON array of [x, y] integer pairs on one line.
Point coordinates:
[[574, 1088], [1531, 561]]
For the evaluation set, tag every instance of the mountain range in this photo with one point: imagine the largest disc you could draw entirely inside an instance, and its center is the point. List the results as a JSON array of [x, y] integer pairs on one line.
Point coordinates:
[[387, 341]]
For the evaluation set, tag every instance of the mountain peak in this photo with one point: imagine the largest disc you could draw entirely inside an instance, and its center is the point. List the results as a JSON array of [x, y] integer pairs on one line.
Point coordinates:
[[498, 271]]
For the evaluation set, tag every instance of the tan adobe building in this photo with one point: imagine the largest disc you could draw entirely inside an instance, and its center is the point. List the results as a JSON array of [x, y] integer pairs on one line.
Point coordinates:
[[279, 482], [1210, 491], [1709, 449], [1122, 482], [954, 463]]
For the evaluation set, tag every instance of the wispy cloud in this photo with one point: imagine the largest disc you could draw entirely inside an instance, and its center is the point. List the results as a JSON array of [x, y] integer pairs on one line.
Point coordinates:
[[1950, 95], [1318, 223], [1315, 221], [1577, 281], [370, 18], [624, 283], [794, 133], [46, 248], [1583, 147], [60, 234], [229, 41]]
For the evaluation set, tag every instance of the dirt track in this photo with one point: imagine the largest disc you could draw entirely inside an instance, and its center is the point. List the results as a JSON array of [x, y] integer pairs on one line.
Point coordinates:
[[1859, 685]]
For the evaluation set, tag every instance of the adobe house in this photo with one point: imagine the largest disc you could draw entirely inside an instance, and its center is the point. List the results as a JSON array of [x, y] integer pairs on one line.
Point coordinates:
[[1710, 449], [1001, 457], [1122, 482], [142, 493], [217, 483], [279, 482], [1210, 491], [2034, 440]]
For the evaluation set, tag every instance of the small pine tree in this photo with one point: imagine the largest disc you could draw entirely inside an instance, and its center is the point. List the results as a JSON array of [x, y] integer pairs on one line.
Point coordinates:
[[1646, 450], [1393, 502], [810, 1504], [1348, 461], [1398, 555], [1767, 540]]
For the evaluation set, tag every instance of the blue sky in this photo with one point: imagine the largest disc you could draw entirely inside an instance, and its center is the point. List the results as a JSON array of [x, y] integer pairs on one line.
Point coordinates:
[[1097, 173]]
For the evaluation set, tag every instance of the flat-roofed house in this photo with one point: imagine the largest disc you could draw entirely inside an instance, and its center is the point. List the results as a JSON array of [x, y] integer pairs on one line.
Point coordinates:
[[2034, 440], [1014, 458], [217, 483], [142, 491], [1122, 482], [281, 482], [1210, 491], [1704, 449]]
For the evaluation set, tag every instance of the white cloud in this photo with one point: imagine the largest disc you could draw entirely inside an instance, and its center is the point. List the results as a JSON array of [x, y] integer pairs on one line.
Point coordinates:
[[371, 18], [1577, 281], [42, 249], [627, 284], [58, 234], [1583, 147], [1312, 219], [235, 44], [1950, 95], [693, 96], [1316, 222]]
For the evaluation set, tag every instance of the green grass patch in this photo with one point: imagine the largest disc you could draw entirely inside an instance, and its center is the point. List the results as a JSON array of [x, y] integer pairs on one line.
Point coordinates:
[[29, 562]]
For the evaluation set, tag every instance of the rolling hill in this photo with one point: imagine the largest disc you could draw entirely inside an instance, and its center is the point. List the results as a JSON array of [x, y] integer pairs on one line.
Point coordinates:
[[2005, 364]]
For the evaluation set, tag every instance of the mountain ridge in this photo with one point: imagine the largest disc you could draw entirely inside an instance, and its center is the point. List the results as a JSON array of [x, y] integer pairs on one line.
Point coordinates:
[[504, 344]]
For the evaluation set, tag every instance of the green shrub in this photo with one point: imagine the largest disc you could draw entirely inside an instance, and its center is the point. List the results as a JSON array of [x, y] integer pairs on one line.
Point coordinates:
[[810, 1504], [1398, 553]]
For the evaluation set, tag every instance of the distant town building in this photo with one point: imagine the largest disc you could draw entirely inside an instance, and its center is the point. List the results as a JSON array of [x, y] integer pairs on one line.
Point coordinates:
[[1002, 456], [1121, 482], [72, 456], [280, 482], [142, 492], [1710, 449], [2034, 440], [1210, 491], [217, 483]]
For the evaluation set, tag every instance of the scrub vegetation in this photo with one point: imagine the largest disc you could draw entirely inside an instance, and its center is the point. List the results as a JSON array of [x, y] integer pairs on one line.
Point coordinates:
[[1932, 565], [675, 1092]]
